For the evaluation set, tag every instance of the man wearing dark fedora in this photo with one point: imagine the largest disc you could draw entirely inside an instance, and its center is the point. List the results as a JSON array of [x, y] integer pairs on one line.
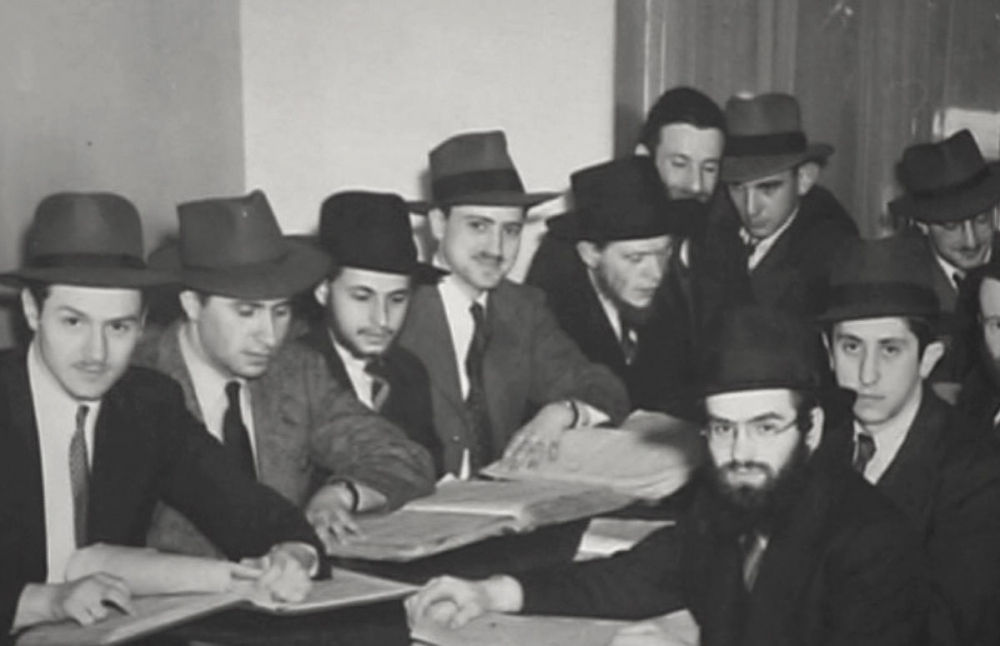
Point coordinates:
[[769, 168], [778, 548], [365, 297], [880, 320], [273, 404], [497, 358], [625, 231], [91, 444]]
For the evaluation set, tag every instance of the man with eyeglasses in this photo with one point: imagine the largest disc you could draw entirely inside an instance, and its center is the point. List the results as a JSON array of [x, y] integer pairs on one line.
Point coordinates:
[[778, 547], [882, 322]]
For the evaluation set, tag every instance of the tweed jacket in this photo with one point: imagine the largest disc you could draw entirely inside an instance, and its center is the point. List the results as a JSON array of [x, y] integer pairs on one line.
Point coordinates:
[[842, 567], [147, 448], [307, 427], [529, 362]]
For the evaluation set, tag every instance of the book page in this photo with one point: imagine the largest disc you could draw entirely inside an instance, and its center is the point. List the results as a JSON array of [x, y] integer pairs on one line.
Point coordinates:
[[344, 588], [492, 498]]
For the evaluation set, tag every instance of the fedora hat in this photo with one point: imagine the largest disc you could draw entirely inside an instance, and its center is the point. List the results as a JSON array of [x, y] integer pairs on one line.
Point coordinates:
[[87, 239], [371, 231], [757, 348], [765, 137], [878, 278], [623, 199], [947, 181], [232, 246], [475, 168]]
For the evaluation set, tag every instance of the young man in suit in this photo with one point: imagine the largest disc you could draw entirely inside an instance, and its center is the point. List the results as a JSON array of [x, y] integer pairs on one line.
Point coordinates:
[[273, 404], [364, 297], [911, 445], [625, 231], [90, 444], [497, 358], [778, 548]]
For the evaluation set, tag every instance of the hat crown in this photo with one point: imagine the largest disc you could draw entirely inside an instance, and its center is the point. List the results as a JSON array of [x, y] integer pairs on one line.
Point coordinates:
[[368, 230], [229, 232], [764, 114], [103, 224], [932, 167]]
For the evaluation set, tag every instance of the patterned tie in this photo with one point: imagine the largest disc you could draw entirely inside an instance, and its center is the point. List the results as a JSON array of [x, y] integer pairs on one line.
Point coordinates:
[[234, 432], [864, 450], [753, 546], [380, 385], [627, 341], [79, 476], [475, 402]]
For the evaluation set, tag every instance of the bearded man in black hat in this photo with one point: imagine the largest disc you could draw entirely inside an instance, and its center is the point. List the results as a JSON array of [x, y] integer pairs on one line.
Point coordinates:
[[273, 404], [90, 444], [881, 321], [778, 548], [626, 231], [365, 297]]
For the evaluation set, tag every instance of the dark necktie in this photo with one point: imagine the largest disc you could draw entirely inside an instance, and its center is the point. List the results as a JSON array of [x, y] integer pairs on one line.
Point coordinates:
[[79, 476], [380, 385], [959, 278], [627, 341], [475, 402], [864, 450], [234, 432], [753, 552]]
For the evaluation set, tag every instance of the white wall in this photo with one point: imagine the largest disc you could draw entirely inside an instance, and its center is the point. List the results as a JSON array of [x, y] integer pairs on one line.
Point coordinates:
[[353, 93]]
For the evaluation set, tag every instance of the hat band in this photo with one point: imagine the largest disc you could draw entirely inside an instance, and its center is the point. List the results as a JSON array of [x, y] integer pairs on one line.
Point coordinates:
[[86, 261], [451, 187], [902, 297], [955, 189], [774, 144]]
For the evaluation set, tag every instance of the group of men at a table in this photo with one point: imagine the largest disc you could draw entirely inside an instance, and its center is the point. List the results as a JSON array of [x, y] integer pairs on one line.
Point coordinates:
[[708, 278]]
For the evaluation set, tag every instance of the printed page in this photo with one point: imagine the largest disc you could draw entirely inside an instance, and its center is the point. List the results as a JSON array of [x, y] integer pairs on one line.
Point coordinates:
[[345, 588]]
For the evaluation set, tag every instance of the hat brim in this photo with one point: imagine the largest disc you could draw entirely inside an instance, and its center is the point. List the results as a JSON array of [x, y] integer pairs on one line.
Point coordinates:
[[951, 208], [746, 168], [301, 267], [124, 278], [492, 198], [421, 272]]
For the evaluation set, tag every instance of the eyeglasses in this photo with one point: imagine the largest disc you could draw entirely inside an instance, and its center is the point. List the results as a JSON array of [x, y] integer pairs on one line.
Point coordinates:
[[760, 431]]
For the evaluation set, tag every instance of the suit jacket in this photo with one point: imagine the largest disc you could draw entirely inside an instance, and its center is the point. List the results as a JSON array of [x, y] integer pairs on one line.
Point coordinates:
[[842, 567], [307, 427], [147, 448], [409, 402], [529, 362], [946, 479], [979, 401]]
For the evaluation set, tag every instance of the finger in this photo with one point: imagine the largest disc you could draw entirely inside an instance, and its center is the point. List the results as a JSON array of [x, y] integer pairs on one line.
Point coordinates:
[[441, 612], [119, 599], [243, 571], [465, 613]]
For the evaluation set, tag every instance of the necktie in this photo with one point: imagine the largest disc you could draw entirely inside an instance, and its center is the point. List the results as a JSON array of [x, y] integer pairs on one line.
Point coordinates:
[[79, 476], [959, 278], [234, 432], [475, 402], [753, 553], [628, 342], [380, 385], [864, 450]]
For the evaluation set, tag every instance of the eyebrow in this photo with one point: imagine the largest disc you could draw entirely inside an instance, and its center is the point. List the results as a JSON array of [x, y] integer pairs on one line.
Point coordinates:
[[763, 417]]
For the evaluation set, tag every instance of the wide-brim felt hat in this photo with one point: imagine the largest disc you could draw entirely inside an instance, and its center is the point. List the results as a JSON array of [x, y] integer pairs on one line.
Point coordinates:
[[888, 277], [765, 137], [372, 231], [86, 239], [623, 199], [947, 181], [233, 247]]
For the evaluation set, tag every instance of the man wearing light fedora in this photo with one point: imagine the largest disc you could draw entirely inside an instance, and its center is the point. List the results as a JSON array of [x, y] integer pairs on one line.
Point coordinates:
[[497, 358], [769, 167], [625, 231], [365, 297], [778, 548], [90, 444], [880, 326], [274, 405]]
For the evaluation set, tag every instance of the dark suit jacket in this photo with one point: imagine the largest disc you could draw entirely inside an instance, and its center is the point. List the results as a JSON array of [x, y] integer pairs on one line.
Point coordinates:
[[409, 402], [946, 479], [979, 401], [843, 567], [147, 448], [529, 362], [307, 427]]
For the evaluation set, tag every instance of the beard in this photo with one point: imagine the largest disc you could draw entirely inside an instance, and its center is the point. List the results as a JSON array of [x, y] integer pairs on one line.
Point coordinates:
[[634, 316]]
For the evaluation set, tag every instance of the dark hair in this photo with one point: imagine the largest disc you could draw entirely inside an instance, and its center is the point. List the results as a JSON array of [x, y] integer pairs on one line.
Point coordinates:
[[39, 291], [922, 327], [804, 401], [680, 105]]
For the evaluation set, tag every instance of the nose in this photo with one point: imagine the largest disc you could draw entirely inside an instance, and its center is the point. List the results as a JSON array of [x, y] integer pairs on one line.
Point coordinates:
[[267, 330], [96, 349], [378, 315], [653, 268], [495, 241], [969, 233], [743, 448], [870, 369], [697, 183]]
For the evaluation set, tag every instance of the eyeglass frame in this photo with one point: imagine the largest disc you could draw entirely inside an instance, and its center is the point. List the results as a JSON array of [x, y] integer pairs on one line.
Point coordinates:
[[756, 435]]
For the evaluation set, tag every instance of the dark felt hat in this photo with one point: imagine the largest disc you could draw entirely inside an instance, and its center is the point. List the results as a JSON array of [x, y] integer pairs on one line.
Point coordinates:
[[232, 246], [624, 199], [766, 137], [371, 231], [758, 348], [947, 181], [88, 239], [878, 278]]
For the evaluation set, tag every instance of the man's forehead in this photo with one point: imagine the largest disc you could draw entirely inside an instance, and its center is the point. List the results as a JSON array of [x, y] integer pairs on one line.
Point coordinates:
[[775, 178], [685, 138], [219, 300], [489, 212], [748, 404], [640, 245], [888, 327], [378, 281], [107, 302]]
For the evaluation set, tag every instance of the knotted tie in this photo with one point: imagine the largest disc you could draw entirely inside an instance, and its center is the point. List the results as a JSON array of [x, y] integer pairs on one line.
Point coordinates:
[[863, 452], [628, 342], [380, 385], [234, 432], [753, 553], [475, 402], [959, 278], [79, 476]]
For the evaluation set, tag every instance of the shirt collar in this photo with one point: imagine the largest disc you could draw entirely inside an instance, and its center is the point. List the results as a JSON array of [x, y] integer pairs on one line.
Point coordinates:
[[452, 291], [769, 240], [610, 308], [890, 437], [208, 381]]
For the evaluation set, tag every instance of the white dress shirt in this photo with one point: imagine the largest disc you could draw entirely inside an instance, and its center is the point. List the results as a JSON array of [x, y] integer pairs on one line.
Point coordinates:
[[357, 372], [888, 439], [55, 417], [764, 244], [612, 312], [462, 326]]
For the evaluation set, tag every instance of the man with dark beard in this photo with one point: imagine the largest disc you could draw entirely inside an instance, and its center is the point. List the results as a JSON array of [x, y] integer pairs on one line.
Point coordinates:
[[625, 231], [778, 548]]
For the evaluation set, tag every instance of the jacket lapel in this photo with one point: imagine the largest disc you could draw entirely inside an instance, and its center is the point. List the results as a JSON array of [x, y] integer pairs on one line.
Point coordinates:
[[430, 332], [170, 361], [318, 339]]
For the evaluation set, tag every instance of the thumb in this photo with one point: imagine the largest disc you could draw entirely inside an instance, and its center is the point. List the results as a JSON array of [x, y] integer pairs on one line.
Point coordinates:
[[247, 569]]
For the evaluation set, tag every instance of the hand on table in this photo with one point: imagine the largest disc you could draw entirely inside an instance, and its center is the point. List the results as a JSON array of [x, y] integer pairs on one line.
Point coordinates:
[[538, 440], [284, 573], [329, 512], [86, 600], [647, 633], [454, 602]]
